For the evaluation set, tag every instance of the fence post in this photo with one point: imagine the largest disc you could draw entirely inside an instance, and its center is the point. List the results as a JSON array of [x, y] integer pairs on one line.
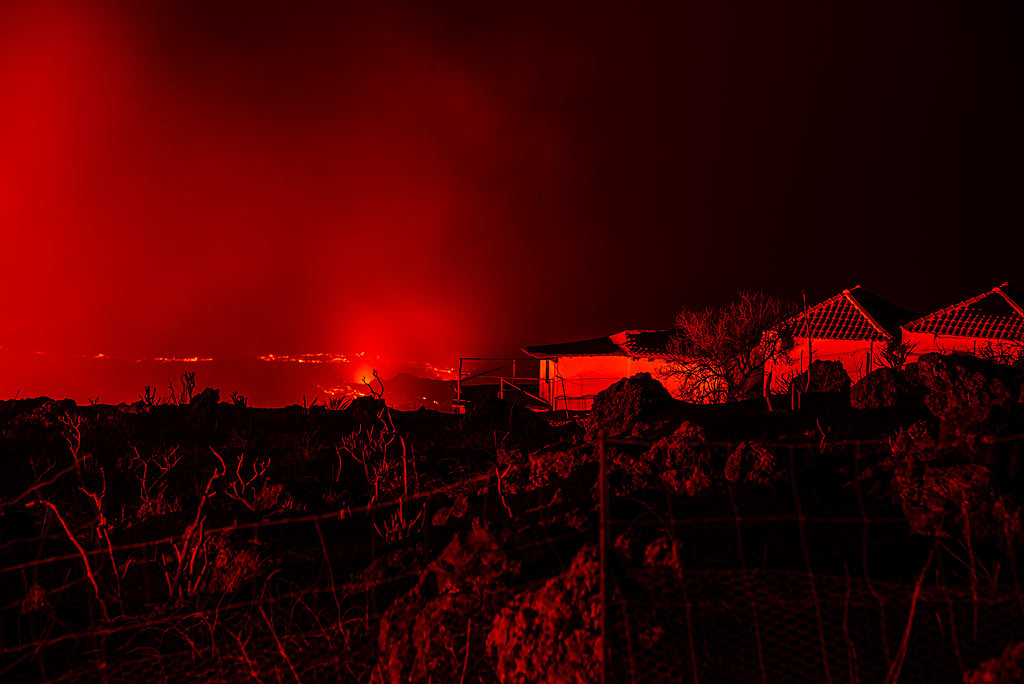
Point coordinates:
[[603, 561], [458, 385]]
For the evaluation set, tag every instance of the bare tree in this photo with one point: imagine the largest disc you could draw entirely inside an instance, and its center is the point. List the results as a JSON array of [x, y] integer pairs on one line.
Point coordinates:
[[1006, 353], [718, 355], [895, 354]]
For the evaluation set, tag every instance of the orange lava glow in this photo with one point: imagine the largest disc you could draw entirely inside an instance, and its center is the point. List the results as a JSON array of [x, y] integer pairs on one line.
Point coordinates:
[[363, 373]]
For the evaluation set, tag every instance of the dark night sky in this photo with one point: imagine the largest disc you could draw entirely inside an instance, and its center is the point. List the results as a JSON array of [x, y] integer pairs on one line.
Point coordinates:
[[420, 181]]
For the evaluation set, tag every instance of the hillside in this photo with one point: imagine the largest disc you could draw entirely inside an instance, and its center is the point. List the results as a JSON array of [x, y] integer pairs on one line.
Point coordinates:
[[225, 543]]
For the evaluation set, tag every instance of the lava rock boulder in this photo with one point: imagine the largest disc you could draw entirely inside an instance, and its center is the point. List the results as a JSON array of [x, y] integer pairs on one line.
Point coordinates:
[[618, 409], [881, 388]]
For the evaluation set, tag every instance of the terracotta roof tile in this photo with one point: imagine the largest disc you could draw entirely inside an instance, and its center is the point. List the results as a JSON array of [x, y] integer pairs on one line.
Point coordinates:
[[854, 314], [649, 343], [996, 314]]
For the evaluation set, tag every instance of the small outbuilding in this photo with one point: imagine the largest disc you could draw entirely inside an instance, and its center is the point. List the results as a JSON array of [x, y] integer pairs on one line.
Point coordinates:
[[853, 327], [989, 324], [573, 373]]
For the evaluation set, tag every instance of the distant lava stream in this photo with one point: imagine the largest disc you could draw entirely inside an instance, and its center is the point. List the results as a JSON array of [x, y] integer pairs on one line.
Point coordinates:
[[269, 380]]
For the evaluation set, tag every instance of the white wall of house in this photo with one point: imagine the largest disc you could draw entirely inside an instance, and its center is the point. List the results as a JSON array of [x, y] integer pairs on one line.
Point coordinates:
[[927, 343], [656, 367], [857, 356], [572, 382]]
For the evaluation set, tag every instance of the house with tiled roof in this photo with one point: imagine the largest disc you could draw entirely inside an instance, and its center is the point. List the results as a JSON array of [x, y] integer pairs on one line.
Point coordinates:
[[991, 323], [853, 327], [573, 373]]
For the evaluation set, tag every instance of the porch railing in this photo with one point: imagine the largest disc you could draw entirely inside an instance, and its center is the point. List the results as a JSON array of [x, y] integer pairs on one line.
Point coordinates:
[[499, 372]]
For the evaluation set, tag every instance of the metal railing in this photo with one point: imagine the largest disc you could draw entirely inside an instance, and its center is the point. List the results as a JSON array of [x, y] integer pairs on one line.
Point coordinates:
[[493, 375], [505, 383], [503, 373]]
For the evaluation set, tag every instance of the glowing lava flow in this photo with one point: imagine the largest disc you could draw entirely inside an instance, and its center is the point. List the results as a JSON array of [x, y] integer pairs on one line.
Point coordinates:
[[319, 357], [364, 373], [366, 364]]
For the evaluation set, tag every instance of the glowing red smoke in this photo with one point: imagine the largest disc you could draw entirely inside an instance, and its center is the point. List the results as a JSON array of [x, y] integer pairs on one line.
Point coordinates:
[[172, 192], [194, 179]]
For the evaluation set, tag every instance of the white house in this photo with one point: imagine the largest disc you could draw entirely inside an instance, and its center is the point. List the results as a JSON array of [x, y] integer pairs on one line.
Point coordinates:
[[992, 323], [852, 327], [572, 373]]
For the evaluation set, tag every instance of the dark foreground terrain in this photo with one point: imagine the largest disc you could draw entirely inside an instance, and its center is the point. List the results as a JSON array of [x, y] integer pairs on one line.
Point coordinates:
[[221, 543]]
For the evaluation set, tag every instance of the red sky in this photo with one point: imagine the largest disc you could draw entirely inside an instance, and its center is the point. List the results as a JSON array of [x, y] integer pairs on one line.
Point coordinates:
[[420, 181]]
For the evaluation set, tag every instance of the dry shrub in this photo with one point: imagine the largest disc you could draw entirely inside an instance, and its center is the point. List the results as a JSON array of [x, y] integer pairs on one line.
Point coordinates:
[[458, 509], [227, 564], [274, 497], [826, 376], [664, 552], [162, 503], [36, 599]]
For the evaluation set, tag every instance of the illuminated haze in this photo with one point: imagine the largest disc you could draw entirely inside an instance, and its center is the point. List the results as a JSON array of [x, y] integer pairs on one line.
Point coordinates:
[[181, 181]]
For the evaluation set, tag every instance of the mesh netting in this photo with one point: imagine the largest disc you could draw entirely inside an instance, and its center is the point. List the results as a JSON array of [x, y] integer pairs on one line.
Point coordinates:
[[751, 626], [694, 626], [313, 658], [714, 624]]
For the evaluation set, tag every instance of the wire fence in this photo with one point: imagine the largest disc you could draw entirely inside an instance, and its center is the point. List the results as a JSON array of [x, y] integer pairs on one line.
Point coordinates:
[[798, 582], [828, 621]]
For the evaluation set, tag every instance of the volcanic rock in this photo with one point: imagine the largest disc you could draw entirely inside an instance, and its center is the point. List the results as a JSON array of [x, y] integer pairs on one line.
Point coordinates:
[[682, 464], [42, 411], [618, 409], [881, 388], [205, 399], [677, 462], [1006, 668], [948, 485], [962, 388], [423, 635], [554, 630], [751, 462]]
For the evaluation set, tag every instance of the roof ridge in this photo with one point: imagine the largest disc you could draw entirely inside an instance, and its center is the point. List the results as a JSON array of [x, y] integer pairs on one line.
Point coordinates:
[[966, 303], [864, 312], [811, 319], [808, 309], [619, 338], [1009, 300], [627, 339]]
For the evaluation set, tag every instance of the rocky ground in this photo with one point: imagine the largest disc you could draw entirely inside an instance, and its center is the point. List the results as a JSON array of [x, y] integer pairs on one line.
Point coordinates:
[[872, 532]]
